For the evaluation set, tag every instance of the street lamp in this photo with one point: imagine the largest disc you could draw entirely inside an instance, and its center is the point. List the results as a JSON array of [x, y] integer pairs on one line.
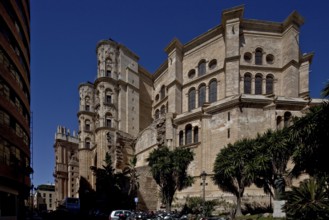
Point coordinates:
[[203, 176]]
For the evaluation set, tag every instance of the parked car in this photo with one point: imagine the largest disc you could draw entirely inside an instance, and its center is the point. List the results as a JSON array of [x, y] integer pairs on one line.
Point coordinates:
[[121, 215]]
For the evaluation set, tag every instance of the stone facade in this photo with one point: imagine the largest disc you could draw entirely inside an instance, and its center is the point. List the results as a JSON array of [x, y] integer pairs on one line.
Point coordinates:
[[66, 171], [236, 80], [45, 197]]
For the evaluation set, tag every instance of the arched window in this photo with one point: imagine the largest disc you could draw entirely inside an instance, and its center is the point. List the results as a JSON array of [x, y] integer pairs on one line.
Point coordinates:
[[196, 134], [87, 103], [202, 95], [191, 73], [247, 83], [213, 91], [287, 119], [212, 64], [108, 96], [163, 110], [188, 134], [278, 122], [108, 99], [163, 92], [109, 73], [191, 99], [258, 84], [181, 138], [157, 113], [269, 84], [87, 125], [87, 143], [259, 56], [202, 68], [108, 120]]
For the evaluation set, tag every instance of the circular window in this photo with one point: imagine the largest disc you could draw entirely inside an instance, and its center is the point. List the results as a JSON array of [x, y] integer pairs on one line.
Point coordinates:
[[212, 64], [270, 58], [191, 73], [247, 56]]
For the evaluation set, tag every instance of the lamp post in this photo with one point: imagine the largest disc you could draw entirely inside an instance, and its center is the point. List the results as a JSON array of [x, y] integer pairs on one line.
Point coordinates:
[[203, 177]]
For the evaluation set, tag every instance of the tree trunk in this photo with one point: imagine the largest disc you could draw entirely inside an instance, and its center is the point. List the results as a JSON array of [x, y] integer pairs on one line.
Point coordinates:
[[168, 207], [168, 202], [238, 211]]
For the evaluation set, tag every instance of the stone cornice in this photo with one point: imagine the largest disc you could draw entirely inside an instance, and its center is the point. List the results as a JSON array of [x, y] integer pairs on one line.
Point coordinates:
[[89, 84], [291, 101], [195, 114], [85, 113], [105, 79], [216, 31], [106, 42], [104, 128], [131, 54], [308, 57], [232, 58], [259, 68], [293, 19], [289, 64], [175, 82], [232, 13], [174, 44], [261, 26], [229, 102], [222, 104]]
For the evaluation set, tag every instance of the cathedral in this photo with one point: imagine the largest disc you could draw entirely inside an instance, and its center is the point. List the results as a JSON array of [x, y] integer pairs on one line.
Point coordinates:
[[238, 79]]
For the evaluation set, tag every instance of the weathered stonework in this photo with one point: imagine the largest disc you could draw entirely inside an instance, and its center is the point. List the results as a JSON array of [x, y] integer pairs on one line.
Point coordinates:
[[236, 80], [66, 171]]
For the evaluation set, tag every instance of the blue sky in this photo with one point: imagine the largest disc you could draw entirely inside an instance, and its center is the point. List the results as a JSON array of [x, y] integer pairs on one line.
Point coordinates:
[[64, 34]]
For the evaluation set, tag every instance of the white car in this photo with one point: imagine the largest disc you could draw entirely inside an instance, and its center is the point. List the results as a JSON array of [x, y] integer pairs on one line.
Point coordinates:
[[121, 215]]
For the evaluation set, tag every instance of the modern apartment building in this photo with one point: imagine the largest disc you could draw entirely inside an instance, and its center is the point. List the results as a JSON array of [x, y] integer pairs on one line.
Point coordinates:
[[15, 118]]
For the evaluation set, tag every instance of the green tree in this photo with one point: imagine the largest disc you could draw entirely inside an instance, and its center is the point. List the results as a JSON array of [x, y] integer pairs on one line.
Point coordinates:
[[308, 201], [273, 154], [133, 178], [107, 186], [193, 206], [169, 170], [311, 135], [234, 169]]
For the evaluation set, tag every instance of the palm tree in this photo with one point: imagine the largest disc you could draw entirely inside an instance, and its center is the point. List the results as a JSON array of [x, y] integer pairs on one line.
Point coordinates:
[[169, 170], [234, 169], [276, 148], [133, 177], [308, 201], [325, 90], [311, 134]]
